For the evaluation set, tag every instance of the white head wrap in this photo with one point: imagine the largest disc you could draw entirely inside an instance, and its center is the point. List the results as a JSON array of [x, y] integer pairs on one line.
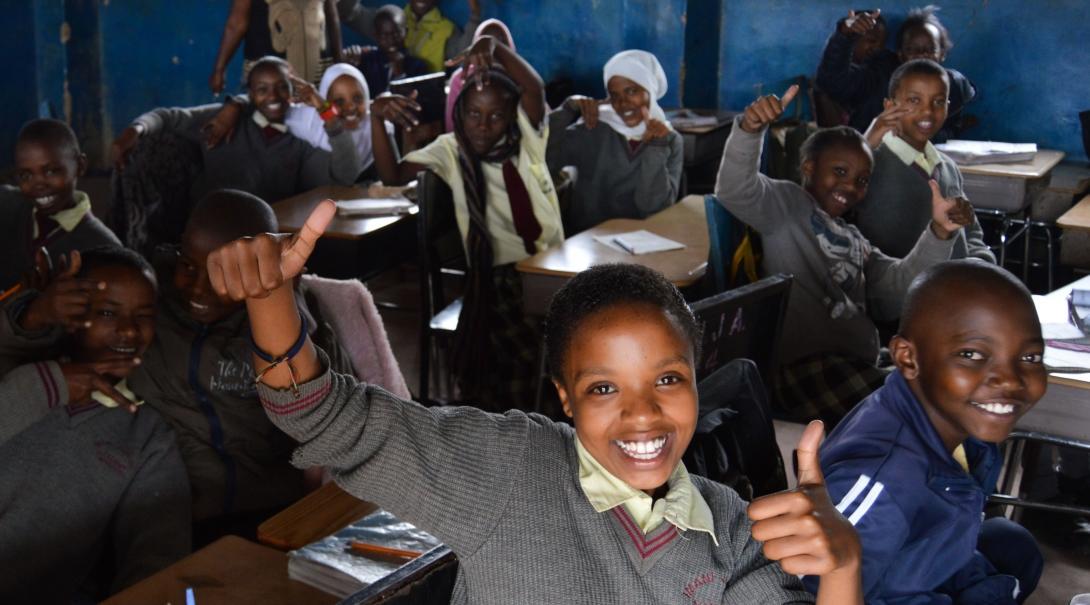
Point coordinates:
[[304, 122], [644, 69]]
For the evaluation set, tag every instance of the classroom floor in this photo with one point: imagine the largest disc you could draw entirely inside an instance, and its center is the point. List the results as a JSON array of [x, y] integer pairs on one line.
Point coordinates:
[[1066, 573]]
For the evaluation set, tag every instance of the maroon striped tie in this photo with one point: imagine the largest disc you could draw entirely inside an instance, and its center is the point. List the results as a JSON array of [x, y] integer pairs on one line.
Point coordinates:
[[522, 212]]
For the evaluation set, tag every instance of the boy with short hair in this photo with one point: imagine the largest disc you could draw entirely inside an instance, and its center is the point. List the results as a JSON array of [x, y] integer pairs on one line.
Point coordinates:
[[198, 374], [92, 499], [390, 60], [897, 205], [913, 464], [45, 210]]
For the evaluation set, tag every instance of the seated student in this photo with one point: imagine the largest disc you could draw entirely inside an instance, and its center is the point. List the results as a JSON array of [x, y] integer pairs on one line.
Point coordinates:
[[897, 205], [631, 168], [307, 34], [842, 282], [862, 88], [198, 375], [620, 345], [489, 27], [390, 60], [261, 158], [505, 206], [434, 38], [870, 31], [92, 499], [340, 105], [914, 463], [45, 210]]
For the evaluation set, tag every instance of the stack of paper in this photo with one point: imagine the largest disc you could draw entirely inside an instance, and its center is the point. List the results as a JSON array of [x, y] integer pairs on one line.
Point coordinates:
[[374, 206], [987, 152], [639, 242], [330, 564]]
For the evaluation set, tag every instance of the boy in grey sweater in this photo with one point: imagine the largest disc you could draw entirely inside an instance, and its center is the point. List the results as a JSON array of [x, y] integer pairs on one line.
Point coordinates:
[[842, 282], [537, 511], [88, 482]]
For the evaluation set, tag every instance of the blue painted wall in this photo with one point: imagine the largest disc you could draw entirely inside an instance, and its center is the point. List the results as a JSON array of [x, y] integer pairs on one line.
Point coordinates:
[[126, 56], [1030, 61]]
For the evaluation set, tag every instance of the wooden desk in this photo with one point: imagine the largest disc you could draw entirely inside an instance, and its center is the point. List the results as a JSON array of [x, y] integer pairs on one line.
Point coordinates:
[[324, 511], [545, 272], [703, 147], [227, 572], [356, 247], [1078, 217], [1041, 164]]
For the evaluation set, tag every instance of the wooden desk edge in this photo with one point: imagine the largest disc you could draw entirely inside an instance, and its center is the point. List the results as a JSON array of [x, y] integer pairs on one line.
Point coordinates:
[[325, 511], [1067, 220], [1054, 157]]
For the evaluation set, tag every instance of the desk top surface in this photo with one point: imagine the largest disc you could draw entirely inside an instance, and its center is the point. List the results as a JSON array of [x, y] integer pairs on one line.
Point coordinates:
[[1078, 217], [293, 212], [683, 222], [320, 513], [1042, 163], [231, 570], [1052, 309]]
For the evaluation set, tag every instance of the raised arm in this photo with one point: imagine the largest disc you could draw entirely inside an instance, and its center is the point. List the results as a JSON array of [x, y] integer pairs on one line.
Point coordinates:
[[238, 23], [487, 51], [836, 75], [462, 38], [333, 31], [402, 111]]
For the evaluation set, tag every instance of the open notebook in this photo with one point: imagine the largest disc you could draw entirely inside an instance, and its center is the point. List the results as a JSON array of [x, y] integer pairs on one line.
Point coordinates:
[[639, 242], [374, 206], [987, 152]]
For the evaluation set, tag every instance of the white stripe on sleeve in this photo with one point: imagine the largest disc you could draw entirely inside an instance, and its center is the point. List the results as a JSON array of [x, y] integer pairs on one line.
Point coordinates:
[[872, 495], [853, 493]]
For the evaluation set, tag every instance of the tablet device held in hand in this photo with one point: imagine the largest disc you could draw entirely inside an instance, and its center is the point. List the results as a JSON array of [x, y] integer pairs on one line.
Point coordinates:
[[430, 94]]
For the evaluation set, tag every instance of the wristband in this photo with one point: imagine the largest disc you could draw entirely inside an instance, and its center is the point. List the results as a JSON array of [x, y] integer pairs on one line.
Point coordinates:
[[285, 358], [328, 112]]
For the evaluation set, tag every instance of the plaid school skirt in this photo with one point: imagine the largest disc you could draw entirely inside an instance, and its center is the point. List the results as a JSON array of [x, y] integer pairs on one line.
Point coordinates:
[[824, 386]]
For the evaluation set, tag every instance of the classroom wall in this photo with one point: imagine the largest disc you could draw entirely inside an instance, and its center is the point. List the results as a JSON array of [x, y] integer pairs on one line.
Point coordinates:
[[102, 62], [1028, 60]]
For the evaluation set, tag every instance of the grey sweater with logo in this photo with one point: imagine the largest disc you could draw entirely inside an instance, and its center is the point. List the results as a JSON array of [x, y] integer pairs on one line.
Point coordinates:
[[503, 492], [80, 486], [841, 281]]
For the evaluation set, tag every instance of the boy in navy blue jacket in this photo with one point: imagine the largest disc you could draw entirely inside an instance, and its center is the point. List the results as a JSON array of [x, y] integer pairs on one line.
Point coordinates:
[[912, 465]]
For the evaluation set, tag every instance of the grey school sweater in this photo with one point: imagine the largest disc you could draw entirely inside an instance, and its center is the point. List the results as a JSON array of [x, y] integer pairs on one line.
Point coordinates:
[[80, 487], [613, 181], [16, 236], [272, 170], [898, 206], [503, 492], [841, 280]]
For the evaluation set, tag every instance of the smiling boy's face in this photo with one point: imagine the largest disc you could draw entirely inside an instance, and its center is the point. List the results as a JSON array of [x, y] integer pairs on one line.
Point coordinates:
[[628, 99], [838, 178], [270, 91], [629, 387], [974, 362], [122, 316], [191, 282], [47, 174], [927, 96]]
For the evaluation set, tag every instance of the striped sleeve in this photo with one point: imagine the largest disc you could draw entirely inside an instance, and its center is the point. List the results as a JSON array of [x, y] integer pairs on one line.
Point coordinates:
[[27, 394]]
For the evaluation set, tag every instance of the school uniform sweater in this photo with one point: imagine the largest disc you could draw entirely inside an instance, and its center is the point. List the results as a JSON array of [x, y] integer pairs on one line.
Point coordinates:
[[614, 181], [375, 66], [270, 167], [503, 492], [861, 88], [81, 487], [201, 379], [17, 235], [841, 280], [918, 513], [897, 206]]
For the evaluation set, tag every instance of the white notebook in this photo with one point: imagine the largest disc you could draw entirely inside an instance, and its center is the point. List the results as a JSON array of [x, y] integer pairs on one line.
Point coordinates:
[[987, 152], [374, 206], [639, 242]]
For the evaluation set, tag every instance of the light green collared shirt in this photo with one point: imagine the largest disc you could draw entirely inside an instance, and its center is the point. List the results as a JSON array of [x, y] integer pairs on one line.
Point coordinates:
[[69, 217], [927, 159], [683, 507]]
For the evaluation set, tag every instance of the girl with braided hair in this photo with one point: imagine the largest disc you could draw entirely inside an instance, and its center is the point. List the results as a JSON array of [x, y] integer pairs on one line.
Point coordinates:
[[505, 206]]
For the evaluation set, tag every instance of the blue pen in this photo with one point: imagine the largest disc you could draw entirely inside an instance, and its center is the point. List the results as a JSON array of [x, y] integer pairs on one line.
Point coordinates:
[[189, 598]]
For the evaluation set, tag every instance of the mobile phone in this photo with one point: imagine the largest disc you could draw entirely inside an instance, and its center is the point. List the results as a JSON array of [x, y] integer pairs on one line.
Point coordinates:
[[430, 94]]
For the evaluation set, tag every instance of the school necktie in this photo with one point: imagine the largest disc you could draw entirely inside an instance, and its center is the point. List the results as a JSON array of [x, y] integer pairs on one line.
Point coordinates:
[[522, 213]]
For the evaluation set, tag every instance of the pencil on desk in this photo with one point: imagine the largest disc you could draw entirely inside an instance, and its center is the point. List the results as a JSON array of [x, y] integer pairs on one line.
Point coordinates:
[[383, 551], [10, 292]]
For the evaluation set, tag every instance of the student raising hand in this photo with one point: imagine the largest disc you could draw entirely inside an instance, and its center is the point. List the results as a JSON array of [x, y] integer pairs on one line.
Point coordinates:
[[860, 23], [887, 121], [399, 109], [948, 214], [64, 298], [766, 110], [802, 529]]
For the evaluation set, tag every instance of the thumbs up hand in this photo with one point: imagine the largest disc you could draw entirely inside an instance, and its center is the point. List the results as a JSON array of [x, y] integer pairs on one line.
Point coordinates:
[[767, 109], [253, 267], [948, 214], [801, 528]]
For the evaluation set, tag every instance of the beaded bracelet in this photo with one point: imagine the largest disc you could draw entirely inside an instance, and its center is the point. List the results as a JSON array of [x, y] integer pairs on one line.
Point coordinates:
[[285, 358], [328, 112]]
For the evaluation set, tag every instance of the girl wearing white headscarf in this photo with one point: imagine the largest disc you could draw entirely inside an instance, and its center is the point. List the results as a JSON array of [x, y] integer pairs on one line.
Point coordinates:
[[344, 88], [631, 167]]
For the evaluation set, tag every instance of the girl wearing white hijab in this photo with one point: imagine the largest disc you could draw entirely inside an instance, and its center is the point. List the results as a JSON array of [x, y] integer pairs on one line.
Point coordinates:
[[344, 88], [631, 168]]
